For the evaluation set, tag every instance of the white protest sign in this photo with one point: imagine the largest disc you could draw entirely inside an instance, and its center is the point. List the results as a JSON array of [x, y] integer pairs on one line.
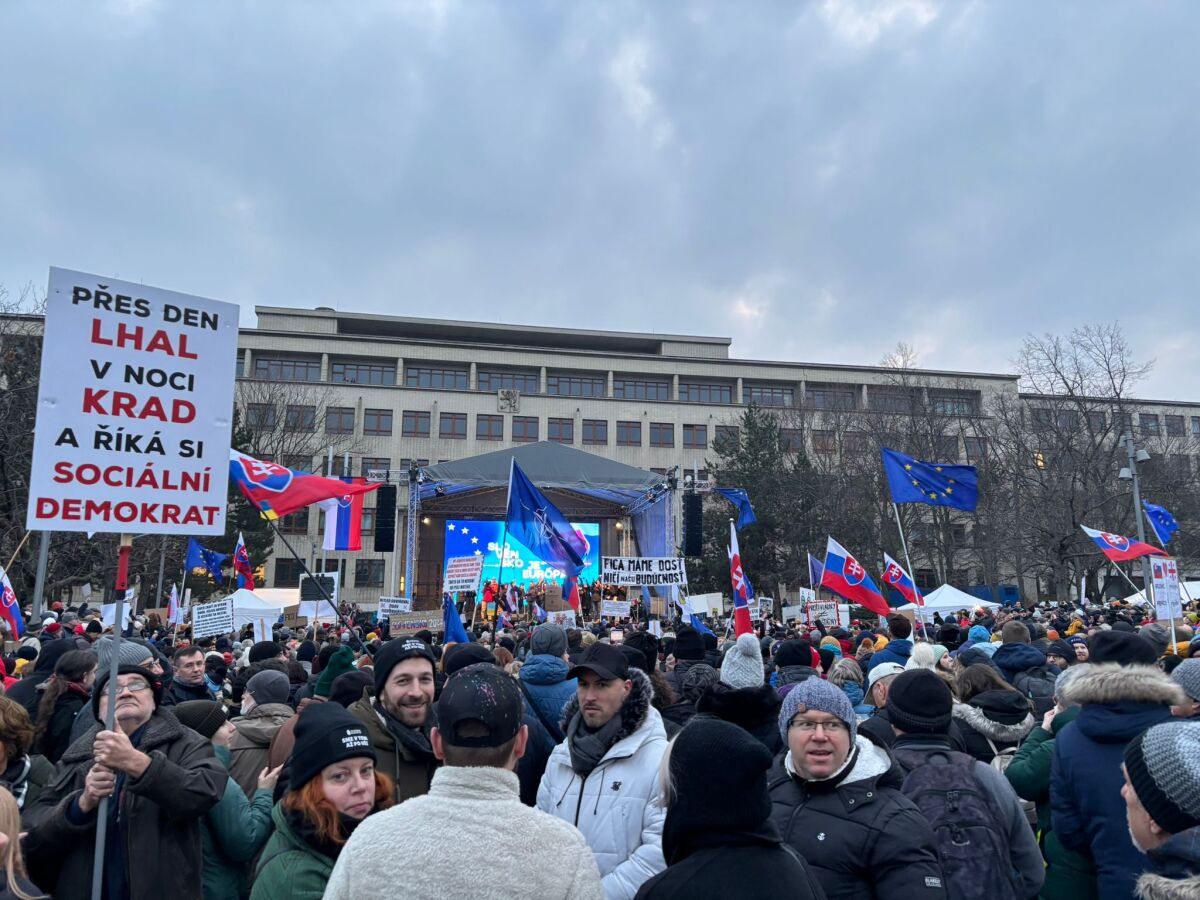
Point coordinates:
[[316, 609], [134, 409], [1167, 603], [828, 613], [212, 618], [564, 618], [791, 613], [655, 628], [108, 614], [417, 621], [706, 604], [647, 571], [462, 574], [614, 607], [394, 606], [806, 595]]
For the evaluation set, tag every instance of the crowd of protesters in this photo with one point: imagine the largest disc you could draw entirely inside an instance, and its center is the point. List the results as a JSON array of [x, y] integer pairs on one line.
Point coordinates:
[[1051, 753]]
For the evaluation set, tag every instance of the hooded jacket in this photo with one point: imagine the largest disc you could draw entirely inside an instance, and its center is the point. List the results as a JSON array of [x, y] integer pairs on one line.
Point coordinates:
[[250, 748], [898, 650], [412, 771], [546, 687], [234, 831], [862, 838], [756, 710], [290, 867], [1176, 873], [999, 717], [616, 806], [1087, 810]]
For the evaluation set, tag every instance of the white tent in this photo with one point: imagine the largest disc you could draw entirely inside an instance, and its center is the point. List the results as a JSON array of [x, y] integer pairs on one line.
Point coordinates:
[[949, 599], [1191, 587], [261, 612]]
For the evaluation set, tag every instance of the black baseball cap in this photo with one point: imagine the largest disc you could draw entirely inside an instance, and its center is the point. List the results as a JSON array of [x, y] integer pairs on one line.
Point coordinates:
[[486, 698], [605, 660]]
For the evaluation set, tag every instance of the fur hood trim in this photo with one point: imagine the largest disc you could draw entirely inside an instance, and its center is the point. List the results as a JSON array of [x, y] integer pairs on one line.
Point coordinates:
[[1155, 887], [1114, 683], [990, 728], [633, 710]]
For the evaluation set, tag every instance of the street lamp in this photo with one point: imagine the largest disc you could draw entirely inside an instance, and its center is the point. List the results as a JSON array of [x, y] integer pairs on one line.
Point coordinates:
[[1130, 473]]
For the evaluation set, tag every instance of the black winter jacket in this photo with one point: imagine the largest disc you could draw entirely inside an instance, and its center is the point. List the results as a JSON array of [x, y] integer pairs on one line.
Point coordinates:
[[860, 836], [754, 709], [1003, 717]]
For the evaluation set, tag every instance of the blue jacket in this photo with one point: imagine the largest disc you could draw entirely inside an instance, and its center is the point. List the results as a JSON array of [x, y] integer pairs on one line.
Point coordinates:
[[1086, 808], [897, 651], [1014, 658], [855, 693], [545, 681]]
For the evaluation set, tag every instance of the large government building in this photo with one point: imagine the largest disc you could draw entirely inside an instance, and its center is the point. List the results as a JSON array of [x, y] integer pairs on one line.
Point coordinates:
[[364, 393]]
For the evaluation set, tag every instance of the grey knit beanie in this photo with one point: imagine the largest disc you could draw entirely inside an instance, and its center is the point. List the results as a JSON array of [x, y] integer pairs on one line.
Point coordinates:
[[1164, 768], [1187, 676], [696, 680], [817, 694], [269, 686], [743, 665], [1157, 635], [129, 653]]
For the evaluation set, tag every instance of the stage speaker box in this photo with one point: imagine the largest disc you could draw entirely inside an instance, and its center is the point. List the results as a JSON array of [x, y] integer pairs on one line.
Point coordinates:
[[693, 524], [385, 518]]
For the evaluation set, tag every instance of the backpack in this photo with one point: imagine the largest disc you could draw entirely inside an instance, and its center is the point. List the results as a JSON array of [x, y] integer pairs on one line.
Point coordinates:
[[971, 834], [1000, 761], [1037, 684]]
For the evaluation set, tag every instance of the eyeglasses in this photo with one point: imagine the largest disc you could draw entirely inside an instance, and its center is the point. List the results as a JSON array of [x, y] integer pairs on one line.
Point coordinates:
[[134, 687], [834, 727]]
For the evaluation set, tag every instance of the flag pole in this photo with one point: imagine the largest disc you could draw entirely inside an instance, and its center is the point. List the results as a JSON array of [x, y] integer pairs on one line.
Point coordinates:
[[908, 560], [512, 465]]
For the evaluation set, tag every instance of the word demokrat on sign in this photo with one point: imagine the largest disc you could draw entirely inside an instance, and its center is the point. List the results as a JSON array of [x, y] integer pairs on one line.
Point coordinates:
[[134, 409], [637, 571]]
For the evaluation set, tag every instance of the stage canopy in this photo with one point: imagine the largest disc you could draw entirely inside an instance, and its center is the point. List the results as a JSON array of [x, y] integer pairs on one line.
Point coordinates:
[[948, 598]]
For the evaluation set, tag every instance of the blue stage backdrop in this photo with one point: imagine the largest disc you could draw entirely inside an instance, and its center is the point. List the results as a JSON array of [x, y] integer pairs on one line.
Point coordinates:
[[466, 537]]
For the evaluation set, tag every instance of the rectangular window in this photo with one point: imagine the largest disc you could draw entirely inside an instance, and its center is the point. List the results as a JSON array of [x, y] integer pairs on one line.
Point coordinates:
[[791, 440], [629, 434], [831, 396], [489, 428], [240, 366], [286, 368], [641, 389], [349, 372], [1097, 421], [1174, 426], [695, 437], [377, 422], [368, 521], [500, 380], [296, 523], [299, 463], [662, 434], [300, 418], [727, 439], [824, 442], [369, 464], [414, 423], [407, 463], [368, 573], [976, 449], [261, 415], [954, 403], [287, 573], [445, 378], [339, 420], [560, 430], [1068, 420], [705, 392], [856, 443], [1043, 419], [958, 535], [768, 394], [524, 429], [595, 432], [1149, 424], [945, 448], [575, 385], [453, 426], [894, 399]]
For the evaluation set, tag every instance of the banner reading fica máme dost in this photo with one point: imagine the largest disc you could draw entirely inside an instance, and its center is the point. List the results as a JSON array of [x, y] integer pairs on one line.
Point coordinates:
[[134, 409], [479, 537]]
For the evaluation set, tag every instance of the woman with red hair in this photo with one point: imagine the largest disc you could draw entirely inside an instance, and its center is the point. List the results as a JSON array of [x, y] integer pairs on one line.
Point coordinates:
[[334, 786]]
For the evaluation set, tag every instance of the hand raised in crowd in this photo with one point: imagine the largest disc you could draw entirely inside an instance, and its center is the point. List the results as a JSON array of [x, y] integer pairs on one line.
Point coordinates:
[[1048, 718], [268, 778], [114, 750], [99, 783]]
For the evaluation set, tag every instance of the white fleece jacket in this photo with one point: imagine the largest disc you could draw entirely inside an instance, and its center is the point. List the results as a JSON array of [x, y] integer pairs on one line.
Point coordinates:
[[414, 851]]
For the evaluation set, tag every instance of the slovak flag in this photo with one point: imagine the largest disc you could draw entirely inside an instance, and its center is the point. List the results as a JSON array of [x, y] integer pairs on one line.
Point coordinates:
[[571, 592], [173, 617], [846, 577], [743, 592], [277, 491], [539, 613], [241, 564], [1119, 548], [894, 576], [10, 611], [343, 520]]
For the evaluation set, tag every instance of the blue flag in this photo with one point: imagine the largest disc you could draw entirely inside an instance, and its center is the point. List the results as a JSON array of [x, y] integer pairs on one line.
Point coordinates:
[[455, 633], [816, 569], [1161, 521], [739, 498], [201, 558], [646, 599], [699, 625], [536, 522], [934, 484]]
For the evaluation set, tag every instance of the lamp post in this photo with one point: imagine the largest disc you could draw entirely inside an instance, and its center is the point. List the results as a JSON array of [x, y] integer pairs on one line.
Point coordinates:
[[1136, 456]]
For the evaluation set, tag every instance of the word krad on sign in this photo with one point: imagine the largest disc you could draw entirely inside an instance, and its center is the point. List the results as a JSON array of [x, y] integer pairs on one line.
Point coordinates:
[[134, 409]]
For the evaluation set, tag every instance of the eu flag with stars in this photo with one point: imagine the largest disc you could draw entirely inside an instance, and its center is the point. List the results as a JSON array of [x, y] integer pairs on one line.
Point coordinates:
[[1161, 521], [934, 484], [739, 498], [204, 559]]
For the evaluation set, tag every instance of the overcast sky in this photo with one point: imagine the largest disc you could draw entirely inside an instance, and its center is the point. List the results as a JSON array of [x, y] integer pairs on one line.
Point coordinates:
[[816, 180]]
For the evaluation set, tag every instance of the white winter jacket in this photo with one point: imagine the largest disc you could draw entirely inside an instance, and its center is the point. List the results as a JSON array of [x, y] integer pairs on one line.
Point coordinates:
[[617, 806]]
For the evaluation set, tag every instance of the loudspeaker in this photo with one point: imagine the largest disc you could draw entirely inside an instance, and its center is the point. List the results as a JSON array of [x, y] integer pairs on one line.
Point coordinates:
[[385, 518], [693, 524]]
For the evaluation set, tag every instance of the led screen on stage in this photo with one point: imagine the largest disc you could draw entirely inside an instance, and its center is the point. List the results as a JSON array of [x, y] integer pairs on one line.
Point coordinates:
[[466, 537]]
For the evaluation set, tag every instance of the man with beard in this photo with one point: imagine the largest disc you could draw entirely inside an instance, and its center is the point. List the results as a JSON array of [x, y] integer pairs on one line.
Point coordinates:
[[400, 715]]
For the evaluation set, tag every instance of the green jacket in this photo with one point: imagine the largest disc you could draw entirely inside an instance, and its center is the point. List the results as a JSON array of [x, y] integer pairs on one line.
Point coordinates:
[[289, 868], [1069, 875], [234, 831]]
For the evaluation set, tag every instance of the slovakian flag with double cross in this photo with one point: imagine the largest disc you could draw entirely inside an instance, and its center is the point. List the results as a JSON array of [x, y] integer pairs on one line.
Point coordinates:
[[894, 576], [10, 610], [846, 577], [277, 491], [743, 592], [1119, 548], [241, 564]]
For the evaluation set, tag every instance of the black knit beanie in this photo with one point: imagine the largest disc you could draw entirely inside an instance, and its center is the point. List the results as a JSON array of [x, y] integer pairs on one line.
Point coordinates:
[[396, 651], [100, 687], [1163, 763], [306, 652], [920, 702], [203, 716], [1122, 647], [325, 734], [263, 651], [688, 644]]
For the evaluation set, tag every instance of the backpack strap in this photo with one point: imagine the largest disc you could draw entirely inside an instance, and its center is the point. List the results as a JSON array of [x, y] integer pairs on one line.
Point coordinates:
[[553, 730]]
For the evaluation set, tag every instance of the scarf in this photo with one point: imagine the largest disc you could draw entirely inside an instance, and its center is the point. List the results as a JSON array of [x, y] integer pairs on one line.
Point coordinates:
[[414, 740], [587, 747], [16, 779], [305, 831]]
